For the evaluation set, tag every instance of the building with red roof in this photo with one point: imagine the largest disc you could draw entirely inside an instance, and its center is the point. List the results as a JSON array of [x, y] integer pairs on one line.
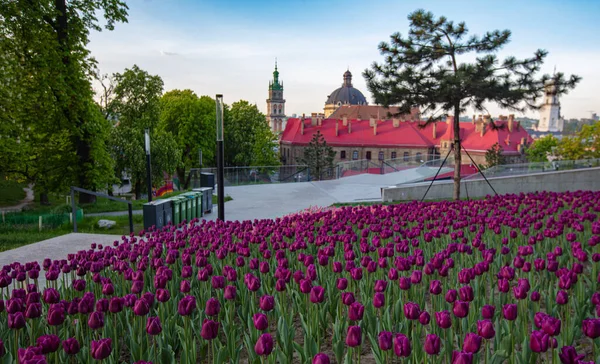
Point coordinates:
[[403, 138]]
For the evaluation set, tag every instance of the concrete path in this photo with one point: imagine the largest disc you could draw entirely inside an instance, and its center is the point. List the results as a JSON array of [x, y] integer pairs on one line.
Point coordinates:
[[251, 202], [29, 197]]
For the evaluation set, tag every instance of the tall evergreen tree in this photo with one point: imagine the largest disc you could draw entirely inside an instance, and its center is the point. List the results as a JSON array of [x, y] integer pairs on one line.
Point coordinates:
[[494, 156], [318, 156], [425, 69]]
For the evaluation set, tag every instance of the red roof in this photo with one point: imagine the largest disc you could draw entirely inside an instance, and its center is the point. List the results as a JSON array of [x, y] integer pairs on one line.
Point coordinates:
[[407, 134]]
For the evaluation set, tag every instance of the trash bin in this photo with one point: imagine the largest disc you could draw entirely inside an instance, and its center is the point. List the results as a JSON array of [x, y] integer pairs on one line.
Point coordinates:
[[168, 212], [192, 204], [176, 210], [182, 208], [206, 198], [154, 213], [207, 180]]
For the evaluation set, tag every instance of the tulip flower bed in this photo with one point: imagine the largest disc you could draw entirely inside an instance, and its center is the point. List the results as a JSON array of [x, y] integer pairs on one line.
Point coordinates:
[[505, 279]]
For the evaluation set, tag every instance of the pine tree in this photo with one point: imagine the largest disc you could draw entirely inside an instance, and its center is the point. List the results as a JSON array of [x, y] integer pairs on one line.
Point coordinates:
[[318, 156], [424, 69], [494, 156]]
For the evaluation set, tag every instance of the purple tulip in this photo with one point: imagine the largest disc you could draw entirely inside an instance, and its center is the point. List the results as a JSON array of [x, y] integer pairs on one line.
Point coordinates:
[[451, 296], [264, 345], [485, 329], [591, 328], [230, 293], [186, 305], [33, 310], [460, 309], [101, 349], [56, 315], [71, 346], [487, 312], [342, 284], [461, 357], [509, 311], [141, 308], [535, 296], [385, 339], [424, 318], [213, 307], [378, 300], [411, 311], [562, 297], [317, 294], [261, 323], [96, 320], [48, 343], [266, 303], [435, 287], [432, 344], [353, 336], [51, 295], [443, 319], [402, 347], [472, 343], [538, 341], [210, 330], [347, 298], [321, 358], [356, 311], [153, 326], [551, 326], [568, 355]]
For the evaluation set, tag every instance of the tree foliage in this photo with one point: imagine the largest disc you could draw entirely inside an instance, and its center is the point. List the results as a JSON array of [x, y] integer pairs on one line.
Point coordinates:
[[585, 144], [318, 156], [429, 68], [248, 140], [494, 156], [46, 92], [191, 121], [541, 149], [136, 105]]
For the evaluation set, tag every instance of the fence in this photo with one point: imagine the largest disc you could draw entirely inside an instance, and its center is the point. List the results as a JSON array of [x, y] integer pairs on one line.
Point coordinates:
[[236, 176], [538, 167], [47, 220]]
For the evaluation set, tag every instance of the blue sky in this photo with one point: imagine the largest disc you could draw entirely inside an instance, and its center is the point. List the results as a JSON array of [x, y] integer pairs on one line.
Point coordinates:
[[229, 46]]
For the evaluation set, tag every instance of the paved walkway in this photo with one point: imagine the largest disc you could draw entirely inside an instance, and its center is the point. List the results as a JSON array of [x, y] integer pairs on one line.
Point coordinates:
[[29, 196], [249, 202]]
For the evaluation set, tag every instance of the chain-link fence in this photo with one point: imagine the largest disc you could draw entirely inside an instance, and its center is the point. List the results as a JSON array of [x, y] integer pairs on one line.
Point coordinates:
[[41, 220]]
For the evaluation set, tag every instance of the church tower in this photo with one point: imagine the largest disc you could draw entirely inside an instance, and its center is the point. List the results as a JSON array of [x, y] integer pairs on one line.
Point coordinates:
[[550, 119], [276, 103]]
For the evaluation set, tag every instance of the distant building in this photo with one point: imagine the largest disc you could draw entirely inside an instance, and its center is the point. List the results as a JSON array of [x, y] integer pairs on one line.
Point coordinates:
[[404, 139], [276, 103], [345, 95], [550, 118]]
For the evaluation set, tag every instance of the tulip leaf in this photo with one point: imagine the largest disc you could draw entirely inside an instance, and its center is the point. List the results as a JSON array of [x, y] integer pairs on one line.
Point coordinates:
[[499, 357], [377, 353], [7, 358], [167, 355], [300, 350]]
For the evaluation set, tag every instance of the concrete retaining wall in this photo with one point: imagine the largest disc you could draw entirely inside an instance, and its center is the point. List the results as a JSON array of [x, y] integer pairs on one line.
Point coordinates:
[[560, 181]]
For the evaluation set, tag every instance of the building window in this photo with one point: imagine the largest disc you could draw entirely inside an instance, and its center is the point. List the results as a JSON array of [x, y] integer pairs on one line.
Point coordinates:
[[368, 155], [393, 155], [355, 155], [343, 154], [418, 157], [406, 156], [380, 156]]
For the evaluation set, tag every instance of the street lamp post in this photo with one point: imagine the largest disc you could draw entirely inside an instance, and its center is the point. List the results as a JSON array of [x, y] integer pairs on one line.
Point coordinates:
[[220, 158], [148, 167]]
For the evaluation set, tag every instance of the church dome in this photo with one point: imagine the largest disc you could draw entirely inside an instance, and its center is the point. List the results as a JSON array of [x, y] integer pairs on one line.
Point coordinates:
[[346, 95]]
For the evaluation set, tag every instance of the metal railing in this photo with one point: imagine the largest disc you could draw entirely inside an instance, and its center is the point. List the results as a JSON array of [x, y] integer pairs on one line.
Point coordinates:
[[236, 176], [537, 167]]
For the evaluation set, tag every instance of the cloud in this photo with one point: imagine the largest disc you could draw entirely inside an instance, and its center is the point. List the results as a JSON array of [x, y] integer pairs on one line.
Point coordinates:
[[165, 53]]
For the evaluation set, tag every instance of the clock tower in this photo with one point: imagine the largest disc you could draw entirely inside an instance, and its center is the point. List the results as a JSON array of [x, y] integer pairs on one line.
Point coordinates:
[[276, 103]]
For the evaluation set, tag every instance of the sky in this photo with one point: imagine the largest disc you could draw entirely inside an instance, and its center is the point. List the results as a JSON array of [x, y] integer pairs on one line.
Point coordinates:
[[229, 47]]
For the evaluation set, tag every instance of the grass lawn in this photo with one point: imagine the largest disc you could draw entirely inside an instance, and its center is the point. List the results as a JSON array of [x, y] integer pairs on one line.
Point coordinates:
[[11, 192], [15, 236]]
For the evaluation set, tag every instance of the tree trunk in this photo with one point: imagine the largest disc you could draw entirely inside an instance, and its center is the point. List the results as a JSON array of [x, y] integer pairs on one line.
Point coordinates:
[[138, 190], [44, 200], [457, 152]]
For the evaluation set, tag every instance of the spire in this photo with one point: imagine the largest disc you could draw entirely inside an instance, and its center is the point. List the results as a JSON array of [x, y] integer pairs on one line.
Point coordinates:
[[276, 85], [347, 79]]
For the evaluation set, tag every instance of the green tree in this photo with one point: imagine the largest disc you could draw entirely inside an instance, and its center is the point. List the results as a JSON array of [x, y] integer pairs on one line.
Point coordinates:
[[136, 105], [541, 148], [191, 120], [248, 138], [584, 144], [425, 69], [46, 71], [318, 156], [494, 156]]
